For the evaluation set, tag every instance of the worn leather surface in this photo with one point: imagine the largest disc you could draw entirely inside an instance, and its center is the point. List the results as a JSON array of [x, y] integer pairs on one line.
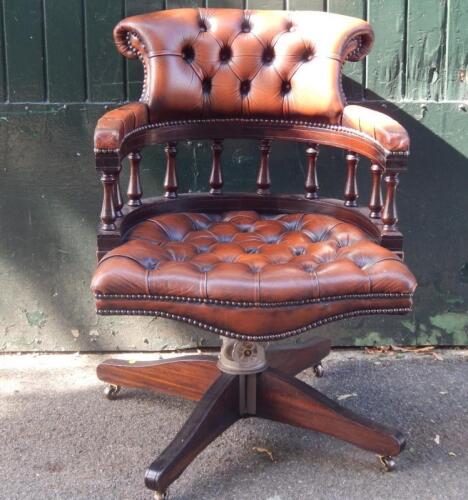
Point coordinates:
[[380, 126], [250, 273], [116, 124], [231, 63]]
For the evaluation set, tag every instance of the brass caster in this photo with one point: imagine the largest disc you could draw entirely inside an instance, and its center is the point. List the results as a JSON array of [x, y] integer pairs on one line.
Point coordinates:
[[111, 391], [388, 463], [319, 370], [160, 495]]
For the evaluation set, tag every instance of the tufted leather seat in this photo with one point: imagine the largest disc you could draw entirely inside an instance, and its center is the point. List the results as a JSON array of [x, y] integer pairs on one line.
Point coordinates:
[[218, 63], [251, 274]]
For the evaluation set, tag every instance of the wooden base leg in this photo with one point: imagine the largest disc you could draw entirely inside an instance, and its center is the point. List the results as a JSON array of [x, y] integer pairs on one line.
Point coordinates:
[[217, 411], [293, 359], [286, 399], [187, 376]]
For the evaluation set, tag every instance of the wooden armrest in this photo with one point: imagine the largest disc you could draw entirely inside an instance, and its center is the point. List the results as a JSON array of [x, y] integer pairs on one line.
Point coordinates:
[[113, 127], [385, 130]]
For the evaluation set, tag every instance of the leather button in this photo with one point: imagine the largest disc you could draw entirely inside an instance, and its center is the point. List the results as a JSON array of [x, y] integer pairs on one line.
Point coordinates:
[[225, 54], [202, 25], [149, 263], [204, 268], [206, 85], [188, 53], [268, 55], [285, 87], [298, 251], [245, 26], [245, 87], [308, 54]]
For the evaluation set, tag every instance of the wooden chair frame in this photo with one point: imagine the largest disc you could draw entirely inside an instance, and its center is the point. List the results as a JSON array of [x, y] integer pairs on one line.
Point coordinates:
[[379, 220]]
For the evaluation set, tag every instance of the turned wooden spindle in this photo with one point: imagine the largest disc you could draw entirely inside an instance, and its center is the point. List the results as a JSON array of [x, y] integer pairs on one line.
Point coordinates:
[[351, 190], [311, 182], [216, 177], [389, 214], [134, 191], [263, 177], [170, 180], [118, 201], [108, 215], [375, 202]]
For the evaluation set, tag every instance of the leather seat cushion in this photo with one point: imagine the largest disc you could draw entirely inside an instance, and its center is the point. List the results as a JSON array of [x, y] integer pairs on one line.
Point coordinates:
[[287, 270]]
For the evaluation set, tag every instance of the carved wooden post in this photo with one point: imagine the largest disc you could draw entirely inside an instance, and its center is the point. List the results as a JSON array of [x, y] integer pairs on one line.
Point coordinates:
[[170, 180], [311, 182], [216, 177], [375, 202], [134, 191], [108, 216], [263, 177], [118, 201], [389, 214], [351, 189]]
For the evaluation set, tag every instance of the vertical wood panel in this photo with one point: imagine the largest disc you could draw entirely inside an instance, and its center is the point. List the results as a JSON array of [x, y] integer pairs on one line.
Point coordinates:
[[266, 4], [181, 4], [63, 50], [354, 72], [386, 62], [25, 50], [64, 41], [3, 86], [308, 5], [354, 8], [134, 67], [226, 4], [427, 21], [457, 51], [105, 66]]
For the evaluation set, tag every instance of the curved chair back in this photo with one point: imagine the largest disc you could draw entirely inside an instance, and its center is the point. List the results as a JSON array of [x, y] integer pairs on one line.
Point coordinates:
[[233, 63]]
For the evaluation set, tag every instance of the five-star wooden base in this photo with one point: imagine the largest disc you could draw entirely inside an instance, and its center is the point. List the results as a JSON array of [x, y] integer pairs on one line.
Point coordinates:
[[224, 398]]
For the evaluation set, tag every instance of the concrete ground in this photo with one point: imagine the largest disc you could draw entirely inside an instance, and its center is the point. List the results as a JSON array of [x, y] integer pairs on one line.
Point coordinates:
[[60, 439]]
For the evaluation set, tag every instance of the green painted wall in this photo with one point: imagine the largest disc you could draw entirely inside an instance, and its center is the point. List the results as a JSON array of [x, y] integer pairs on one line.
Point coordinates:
[[59, 72]]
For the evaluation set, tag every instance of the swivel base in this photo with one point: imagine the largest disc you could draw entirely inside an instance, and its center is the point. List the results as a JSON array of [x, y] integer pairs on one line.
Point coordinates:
[[264, 387]]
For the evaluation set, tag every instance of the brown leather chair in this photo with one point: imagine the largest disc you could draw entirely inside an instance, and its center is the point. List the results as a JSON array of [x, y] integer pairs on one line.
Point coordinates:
[[250, 267]]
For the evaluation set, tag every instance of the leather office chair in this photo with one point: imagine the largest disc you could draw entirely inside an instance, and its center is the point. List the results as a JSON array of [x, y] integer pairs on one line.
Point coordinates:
[[250, 267]]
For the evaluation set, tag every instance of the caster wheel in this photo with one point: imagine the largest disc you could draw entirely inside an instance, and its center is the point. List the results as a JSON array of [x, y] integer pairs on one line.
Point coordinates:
[[160, 495], [319, 370], [388, 463], [111, 391]]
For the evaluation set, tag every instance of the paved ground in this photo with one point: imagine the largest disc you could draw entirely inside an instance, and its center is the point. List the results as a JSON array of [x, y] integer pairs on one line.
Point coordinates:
[[60, 439]]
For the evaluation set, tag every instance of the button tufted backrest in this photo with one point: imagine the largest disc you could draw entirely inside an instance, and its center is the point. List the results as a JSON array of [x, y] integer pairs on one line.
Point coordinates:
[[230, 63]]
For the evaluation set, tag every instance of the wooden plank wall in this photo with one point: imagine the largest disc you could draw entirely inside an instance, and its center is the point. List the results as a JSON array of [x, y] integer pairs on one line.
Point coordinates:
[[57, 51]]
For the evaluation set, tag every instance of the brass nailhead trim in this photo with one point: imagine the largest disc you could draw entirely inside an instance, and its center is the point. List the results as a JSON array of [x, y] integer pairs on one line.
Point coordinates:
[[141, 57], [173, 298], [262, 121], [258, 338]]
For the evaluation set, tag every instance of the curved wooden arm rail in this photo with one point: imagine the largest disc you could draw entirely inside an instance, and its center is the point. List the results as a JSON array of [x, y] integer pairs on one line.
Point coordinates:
[[250, 267]]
